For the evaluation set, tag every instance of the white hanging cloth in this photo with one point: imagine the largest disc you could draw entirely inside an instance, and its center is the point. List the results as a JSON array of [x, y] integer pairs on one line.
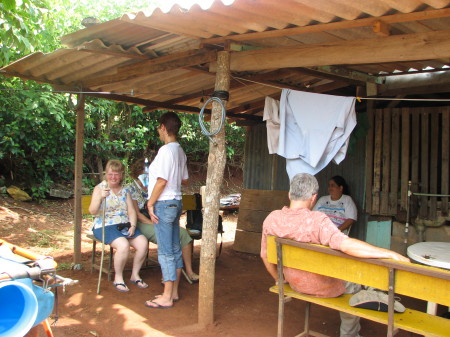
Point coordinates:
[[314, 129], [272, 118]]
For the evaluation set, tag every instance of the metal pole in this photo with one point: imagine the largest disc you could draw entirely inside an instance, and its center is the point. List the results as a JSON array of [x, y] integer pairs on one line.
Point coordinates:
[[103, 245]]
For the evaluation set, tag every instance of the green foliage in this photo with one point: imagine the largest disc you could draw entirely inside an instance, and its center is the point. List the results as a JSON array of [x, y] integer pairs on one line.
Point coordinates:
[[196, 144], [23, 28], [43, 238], [36, 137], [37, 127], [64, 266]]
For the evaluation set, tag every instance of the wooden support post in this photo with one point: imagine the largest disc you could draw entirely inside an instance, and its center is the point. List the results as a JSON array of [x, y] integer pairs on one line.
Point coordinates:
[[78, 181], [445, 166], [281, 298], [377, 164], [369, 156], [216, 168], [273, 179], [404, 167]]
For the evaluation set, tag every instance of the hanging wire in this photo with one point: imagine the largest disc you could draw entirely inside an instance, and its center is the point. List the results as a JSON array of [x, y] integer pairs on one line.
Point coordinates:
[[241, 80], [207, 133], [131, 92]]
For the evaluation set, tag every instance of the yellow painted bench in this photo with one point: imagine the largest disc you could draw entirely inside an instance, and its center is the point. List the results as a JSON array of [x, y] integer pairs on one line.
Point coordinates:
[[402, 278]]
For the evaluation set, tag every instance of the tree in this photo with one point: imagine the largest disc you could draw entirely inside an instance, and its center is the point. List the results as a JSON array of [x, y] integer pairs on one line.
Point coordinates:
[[37, 132]]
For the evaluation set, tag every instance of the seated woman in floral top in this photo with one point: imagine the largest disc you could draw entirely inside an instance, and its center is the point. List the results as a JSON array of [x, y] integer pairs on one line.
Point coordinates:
[[119, 224]]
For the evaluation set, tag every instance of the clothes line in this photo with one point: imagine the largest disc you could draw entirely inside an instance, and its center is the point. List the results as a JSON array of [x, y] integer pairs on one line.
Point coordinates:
[[403, 99]]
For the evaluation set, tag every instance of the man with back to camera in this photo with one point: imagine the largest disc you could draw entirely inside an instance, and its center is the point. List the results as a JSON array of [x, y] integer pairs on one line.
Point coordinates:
[[298, 222]]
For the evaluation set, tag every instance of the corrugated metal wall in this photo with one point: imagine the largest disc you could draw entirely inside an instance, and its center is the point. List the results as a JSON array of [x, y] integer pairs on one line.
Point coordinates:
[[262, 171], [267, 172]]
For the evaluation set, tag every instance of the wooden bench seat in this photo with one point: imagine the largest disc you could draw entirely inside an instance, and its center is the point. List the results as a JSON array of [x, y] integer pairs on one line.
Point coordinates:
[[411, 320], [417, 281]]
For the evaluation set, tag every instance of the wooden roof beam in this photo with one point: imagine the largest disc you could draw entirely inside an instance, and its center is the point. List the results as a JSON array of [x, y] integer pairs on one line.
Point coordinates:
[[416, 84], [160, 64], [366, 22], [397, 48], [146, 103], [342, 74], [245, 108]]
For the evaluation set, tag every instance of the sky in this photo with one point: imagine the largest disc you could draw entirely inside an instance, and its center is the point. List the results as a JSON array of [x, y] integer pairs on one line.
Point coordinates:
[[165, 5]]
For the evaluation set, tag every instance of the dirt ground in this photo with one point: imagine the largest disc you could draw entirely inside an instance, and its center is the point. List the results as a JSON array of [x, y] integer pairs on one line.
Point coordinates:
[[243, 305]]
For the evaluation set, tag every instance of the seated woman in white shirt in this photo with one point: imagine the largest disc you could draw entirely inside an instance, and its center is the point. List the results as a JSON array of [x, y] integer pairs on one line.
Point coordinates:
[[338, 205]]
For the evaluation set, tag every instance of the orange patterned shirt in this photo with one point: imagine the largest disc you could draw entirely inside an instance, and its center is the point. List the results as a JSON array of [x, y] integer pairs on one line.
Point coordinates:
[[308, 226]]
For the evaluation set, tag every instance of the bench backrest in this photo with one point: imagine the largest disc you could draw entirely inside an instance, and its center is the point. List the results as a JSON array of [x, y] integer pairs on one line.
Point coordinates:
[[85, 202], [189, 203], [418, 281]]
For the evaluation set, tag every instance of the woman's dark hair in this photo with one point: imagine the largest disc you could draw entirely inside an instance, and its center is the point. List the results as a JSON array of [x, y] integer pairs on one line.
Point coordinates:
[[137, 168], [341, 182], [171, 121]]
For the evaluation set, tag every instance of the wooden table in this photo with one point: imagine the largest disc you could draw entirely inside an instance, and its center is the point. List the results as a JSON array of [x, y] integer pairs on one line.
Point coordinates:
[[435, 254]]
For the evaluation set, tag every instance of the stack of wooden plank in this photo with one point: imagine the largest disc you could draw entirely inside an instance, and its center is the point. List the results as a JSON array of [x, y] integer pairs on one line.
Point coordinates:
[[254, 207]]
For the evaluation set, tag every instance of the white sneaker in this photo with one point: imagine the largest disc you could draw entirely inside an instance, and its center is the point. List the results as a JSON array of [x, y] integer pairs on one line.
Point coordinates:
[[374, 300]]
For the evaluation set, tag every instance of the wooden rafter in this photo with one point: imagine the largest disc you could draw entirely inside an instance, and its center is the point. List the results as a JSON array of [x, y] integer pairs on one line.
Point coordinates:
[[105, 51], [388, 19], [164, 63]]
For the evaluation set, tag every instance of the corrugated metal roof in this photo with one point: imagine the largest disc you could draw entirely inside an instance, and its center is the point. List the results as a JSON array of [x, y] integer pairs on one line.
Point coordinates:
[[157, 57]]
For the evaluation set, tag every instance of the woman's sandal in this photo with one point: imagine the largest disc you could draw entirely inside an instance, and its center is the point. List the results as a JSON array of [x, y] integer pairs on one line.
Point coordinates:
[[119, 284], [140, 284], [174, 300], [194, 278]]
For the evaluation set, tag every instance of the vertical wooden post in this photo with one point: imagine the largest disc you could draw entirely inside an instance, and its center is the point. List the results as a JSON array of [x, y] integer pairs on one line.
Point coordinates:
[[445, 165], [377, 164], [78, 181], [369, 156], [273, 179], [404, 167], [216, 168]]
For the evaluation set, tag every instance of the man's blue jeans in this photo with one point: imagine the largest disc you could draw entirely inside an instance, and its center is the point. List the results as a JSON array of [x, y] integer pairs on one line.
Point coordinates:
[[168, 236]]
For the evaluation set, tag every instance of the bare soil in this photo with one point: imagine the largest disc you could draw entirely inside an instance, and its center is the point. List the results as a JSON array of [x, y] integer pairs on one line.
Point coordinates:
[[243, 305]]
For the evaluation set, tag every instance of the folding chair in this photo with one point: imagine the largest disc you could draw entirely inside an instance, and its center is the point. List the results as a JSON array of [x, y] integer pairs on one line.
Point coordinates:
[[194, 218]]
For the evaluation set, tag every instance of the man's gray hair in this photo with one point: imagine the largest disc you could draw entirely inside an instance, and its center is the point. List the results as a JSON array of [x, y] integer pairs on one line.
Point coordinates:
[[303, 186]]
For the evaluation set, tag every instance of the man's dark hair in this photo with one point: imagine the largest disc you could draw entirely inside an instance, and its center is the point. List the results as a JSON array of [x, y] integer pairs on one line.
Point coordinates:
[[171, 121]]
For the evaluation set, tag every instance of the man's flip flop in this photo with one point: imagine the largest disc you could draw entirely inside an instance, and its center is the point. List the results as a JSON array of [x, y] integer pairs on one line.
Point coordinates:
[[117, 285], [156, 305], [140, 284]]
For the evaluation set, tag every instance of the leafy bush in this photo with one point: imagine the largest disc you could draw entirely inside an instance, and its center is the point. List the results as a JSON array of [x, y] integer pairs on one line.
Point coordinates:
[[37, 137]]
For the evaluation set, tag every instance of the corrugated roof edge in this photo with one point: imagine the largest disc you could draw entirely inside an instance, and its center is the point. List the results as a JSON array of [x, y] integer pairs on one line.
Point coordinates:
[[177, 7]]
